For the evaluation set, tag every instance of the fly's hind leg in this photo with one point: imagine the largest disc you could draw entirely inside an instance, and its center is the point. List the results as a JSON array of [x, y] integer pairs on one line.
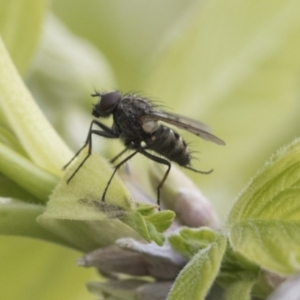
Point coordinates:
[[198, 171], [160, 161]]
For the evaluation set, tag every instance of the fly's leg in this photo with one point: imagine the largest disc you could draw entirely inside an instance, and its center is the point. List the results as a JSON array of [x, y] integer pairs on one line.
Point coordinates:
[[160, 161], [116, 169], [198, 171], [117, 156], [107, 132]]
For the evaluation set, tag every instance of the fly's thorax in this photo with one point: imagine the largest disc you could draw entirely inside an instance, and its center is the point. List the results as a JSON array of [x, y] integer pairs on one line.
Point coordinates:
[[169, 144], [129, 118], [135, 106]]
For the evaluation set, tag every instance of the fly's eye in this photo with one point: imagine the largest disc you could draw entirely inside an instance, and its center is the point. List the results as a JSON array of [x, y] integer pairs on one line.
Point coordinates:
[[109, 100], [106, 104]]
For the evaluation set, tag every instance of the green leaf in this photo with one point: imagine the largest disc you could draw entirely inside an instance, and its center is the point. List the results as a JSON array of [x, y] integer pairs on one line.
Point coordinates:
[[155, 235], [274, 245], [264, 222], [189, 241], [150, 226], [20, 26], [236, 268], [234, 262], [161, 220], [240, 290], [195, 280], [273, 194], [7, 138], [138, 223], [145, 209]]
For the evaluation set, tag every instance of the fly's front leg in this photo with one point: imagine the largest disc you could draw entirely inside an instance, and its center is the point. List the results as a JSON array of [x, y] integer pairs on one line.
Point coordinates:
[[107, 132]]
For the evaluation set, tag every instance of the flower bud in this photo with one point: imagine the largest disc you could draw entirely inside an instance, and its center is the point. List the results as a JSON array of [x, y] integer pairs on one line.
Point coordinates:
[[163, 263], [113, 259], [181, 195], [289, 289], [131, 257]]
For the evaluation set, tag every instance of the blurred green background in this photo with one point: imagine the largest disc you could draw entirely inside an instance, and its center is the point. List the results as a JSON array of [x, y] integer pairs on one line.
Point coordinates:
[[234, 65]]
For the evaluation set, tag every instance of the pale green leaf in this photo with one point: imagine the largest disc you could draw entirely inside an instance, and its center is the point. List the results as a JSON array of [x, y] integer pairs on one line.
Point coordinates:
[[26, 175], [10, 189], [80, 199], [195, 280], [77, 213], [20, 26], [19, 219], [21, 113], [274, 193], [264, 222], [7, 138], [87, 236], [273, 245]]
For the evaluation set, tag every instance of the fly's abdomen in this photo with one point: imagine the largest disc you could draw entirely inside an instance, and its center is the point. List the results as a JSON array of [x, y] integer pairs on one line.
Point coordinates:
[[169, 144]]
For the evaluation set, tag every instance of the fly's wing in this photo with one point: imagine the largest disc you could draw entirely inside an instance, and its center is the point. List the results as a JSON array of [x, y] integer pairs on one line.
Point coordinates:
[[193, 126]]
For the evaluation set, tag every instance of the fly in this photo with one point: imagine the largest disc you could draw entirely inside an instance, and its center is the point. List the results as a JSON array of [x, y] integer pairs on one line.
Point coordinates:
[[136, 123]]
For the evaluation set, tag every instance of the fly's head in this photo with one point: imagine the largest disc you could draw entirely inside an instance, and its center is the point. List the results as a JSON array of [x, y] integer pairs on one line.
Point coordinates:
[[107, 103]]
